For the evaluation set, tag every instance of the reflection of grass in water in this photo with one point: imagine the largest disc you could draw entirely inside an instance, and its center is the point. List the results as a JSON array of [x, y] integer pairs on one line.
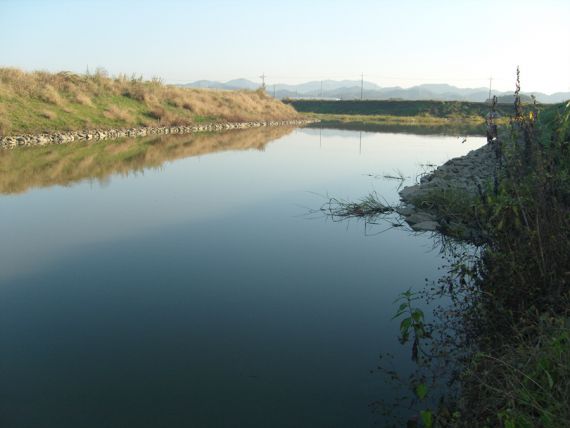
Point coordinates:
[[29, 167], [424, 125], [423, 119]]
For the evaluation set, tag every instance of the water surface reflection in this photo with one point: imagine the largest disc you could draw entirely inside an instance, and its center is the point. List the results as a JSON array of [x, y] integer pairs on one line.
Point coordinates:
[[29, 167], [197, 293]]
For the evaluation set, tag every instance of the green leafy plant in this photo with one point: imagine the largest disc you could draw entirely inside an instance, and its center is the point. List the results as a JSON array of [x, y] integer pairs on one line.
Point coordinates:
[[412, 323]]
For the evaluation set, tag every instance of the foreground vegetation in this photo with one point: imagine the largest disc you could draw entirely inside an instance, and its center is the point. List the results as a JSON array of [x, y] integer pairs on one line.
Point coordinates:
[[515, 321], [521, 373], [46, 102], [506, 335]]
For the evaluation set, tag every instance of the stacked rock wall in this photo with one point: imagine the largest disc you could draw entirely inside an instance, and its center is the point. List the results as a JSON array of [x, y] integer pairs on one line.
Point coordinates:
[[108, 134]]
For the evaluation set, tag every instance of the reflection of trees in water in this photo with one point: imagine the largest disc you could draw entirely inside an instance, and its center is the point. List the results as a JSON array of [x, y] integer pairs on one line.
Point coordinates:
[[25, 168]]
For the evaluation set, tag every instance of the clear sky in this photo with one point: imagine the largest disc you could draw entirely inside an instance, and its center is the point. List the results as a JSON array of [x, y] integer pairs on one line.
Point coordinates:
[[394, 43]]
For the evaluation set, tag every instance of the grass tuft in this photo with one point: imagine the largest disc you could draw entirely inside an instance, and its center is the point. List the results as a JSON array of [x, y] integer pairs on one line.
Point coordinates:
[[118, 113], [368, 207], [48, 114]]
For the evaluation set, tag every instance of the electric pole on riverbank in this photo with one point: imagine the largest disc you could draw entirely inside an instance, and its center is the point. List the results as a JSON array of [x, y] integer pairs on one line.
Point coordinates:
[[490, 85], [361, 86], [262, 77]]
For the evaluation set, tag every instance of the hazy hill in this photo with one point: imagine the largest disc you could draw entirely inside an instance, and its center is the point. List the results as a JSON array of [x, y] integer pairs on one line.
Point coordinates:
[[350, 89]]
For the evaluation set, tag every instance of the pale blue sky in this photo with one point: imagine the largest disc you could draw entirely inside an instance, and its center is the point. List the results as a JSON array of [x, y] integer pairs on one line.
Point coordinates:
[[393, 42]]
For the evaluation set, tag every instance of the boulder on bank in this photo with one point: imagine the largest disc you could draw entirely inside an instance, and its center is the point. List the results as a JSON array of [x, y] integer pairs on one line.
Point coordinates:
[[466, 175]]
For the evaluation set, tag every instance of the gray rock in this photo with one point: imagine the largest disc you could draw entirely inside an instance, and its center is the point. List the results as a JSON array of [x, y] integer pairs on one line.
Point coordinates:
[[420, 217], [428, 225], [408, 192], [406, 210], [462, 174]]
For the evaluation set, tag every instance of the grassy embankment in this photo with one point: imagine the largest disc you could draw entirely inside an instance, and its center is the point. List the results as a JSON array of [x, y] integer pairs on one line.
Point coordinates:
[[46, 102], [520, 376], [446, 116]]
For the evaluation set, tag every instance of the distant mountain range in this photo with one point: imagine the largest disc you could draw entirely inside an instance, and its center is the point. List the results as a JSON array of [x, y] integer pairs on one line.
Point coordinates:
[[350, 89]]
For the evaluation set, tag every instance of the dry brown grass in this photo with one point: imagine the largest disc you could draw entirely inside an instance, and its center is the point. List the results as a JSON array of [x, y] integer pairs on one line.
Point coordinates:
[[83, 99], [157, 113], [49, 95], [117, 113], [5, 128], [4, 122], [78, 99], [48, 114], [165, 117]]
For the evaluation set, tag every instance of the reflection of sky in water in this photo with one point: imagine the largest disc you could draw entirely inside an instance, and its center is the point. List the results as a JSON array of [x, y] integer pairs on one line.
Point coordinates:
[[200, 293], [41, 223]]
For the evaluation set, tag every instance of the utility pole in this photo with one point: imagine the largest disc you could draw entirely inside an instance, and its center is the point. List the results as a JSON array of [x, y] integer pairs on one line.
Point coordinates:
[[273, 91], [262, 77], [361, 86], [490, 85], [321, 89]]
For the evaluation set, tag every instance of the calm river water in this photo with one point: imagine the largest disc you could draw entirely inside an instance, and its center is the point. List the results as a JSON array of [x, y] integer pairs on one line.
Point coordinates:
[[180, 281]]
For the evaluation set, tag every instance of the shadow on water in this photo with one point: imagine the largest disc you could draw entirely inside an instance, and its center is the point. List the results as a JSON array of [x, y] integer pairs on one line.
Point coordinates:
[[33, 167]]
